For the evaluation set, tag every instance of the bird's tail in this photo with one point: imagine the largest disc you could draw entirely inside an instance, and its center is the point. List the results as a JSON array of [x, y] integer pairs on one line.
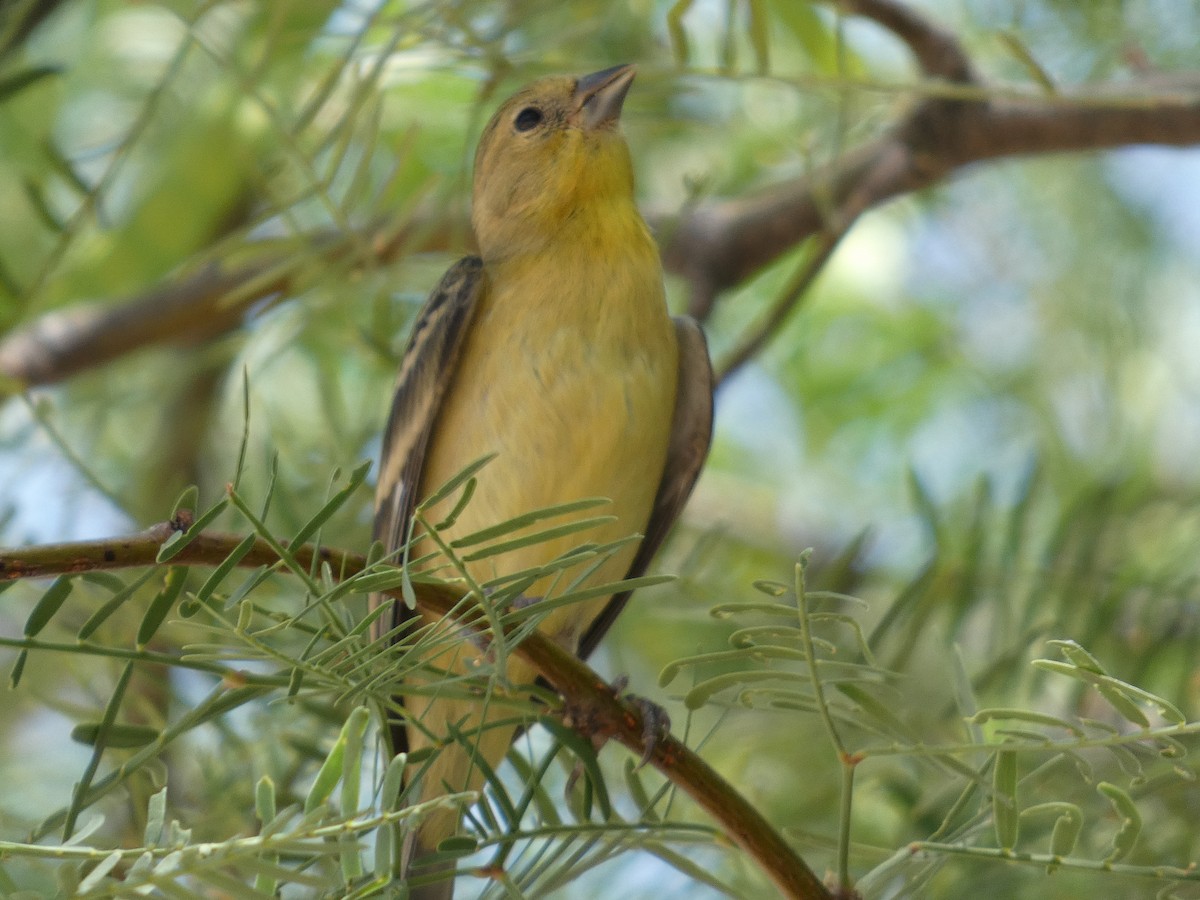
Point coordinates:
[[458, 766], [436, 877]]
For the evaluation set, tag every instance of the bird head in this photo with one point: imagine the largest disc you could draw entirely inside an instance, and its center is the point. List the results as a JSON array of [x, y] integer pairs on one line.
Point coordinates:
[[552, 154]]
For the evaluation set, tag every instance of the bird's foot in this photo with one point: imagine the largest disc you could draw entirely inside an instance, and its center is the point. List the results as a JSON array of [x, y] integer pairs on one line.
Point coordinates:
[[656, 722], [656, 725]]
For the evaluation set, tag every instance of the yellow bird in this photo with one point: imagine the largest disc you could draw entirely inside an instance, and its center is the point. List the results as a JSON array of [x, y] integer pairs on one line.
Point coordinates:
[[554, 351]]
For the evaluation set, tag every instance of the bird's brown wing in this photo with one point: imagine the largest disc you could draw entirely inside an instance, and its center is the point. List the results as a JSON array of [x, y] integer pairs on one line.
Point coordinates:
[[691, 433], [425, 373]]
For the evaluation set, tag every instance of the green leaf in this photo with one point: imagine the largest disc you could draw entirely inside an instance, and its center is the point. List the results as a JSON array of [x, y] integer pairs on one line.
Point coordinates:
[[118, 736], [1078, 656], [1123, 704], [460, 504], [227, 565], [510, 525], [984, 716], [453, 484], [160, 606], [703, 692], [49, 605], [264, 799], [1131, 821], [1005, 813], [393, 781], [336, 502], [156, 815], [583, 750], [456, 847], [1066, 830], [174, 545], [83, 786], [538, 537], [18, 669], [328, 776]]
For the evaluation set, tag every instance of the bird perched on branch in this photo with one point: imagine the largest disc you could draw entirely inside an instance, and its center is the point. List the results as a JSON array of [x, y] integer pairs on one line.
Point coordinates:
[[553, 353]]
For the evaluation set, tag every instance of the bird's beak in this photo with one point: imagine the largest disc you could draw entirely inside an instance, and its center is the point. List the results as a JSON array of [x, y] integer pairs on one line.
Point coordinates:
[[599, 96]]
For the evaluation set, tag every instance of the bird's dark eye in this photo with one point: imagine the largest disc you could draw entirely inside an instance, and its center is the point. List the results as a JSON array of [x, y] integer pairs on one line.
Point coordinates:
[[528, 118]]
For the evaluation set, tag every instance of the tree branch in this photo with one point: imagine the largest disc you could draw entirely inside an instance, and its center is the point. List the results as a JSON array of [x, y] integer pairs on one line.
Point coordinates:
[[714, 245], [937, 51], [586, 694], [194, 307], [718, 245], [65, 342]]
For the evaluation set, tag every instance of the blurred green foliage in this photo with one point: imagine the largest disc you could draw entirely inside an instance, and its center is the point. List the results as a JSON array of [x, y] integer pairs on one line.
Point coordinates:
[[984, 419]]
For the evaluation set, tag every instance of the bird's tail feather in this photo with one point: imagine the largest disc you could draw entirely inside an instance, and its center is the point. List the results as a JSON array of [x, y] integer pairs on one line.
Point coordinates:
[[458, 766]]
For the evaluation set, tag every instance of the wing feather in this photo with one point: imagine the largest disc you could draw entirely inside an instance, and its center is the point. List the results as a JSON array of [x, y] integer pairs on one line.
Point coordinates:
[[425, 373]]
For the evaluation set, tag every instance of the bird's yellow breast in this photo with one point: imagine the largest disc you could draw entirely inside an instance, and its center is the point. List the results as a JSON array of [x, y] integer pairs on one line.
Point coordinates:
[[569, 377]]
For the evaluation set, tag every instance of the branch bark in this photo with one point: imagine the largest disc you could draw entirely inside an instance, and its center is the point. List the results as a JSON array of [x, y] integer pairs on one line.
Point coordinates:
[[195, 307], [590, 699], [719, 245]]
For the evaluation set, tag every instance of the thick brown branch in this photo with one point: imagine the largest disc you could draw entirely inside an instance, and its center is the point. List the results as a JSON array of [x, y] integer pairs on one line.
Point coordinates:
[[194, 307], [65, 342], [1147, 113], [582, 689], [720, 244]]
